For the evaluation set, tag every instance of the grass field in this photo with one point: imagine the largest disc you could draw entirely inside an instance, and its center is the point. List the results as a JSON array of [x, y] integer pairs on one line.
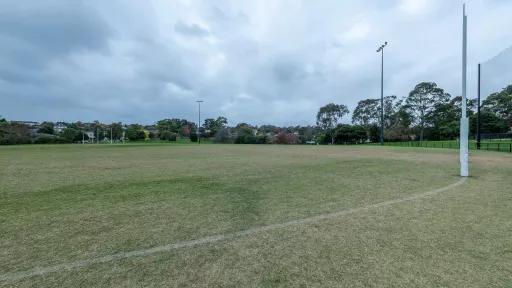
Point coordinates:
[[67, 203]]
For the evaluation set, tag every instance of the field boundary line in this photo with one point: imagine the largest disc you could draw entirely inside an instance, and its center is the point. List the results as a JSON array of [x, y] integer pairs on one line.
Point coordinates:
[[39, 271]]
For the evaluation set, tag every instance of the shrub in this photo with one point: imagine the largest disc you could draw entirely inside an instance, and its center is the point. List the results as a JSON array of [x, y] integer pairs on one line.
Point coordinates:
[[193, 136], [44, 139], [165, 135], [71, 135], [349, 134], [286, 138], [324, 137], [245, 139], [222, 136], [12, 133]]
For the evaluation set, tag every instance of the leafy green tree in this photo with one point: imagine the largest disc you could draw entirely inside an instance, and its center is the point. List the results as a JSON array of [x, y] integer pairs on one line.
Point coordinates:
[[71, 135], [489, 122], [135, 132], [165, 135], [193, 136], [329, 115], [244, 134], [500, 104], [117, 130], [400, 123], [423, 99], [366, 112], [170, 125], [168, 136], [46, 128], [211, 126], [348, 134], [222, 136], [14, 133]]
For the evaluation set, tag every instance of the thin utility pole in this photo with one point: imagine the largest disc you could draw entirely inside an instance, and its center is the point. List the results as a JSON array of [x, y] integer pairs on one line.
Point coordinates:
[[110, 134], [381, 49], [199, 122]]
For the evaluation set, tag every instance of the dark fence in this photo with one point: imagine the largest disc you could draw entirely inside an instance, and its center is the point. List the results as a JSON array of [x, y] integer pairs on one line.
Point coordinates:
[[490, 146], [496, 136]]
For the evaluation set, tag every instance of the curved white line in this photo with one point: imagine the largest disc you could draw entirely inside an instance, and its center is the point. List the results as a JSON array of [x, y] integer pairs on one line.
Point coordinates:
[[38, 271]]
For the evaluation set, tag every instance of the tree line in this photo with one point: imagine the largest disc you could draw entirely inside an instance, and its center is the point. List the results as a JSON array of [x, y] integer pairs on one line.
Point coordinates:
[[427, 112]]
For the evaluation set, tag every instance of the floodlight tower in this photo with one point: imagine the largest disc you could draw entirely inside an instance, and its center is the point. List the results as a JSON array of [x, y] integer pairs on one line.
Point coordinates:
[[464, 122], [381, 49], [199, 122]]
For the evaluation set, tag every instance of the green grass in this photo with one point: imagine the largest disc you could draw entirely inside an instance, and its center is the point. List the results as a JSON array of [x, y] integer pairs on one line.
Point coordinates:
[[62, 203], [495, 145]]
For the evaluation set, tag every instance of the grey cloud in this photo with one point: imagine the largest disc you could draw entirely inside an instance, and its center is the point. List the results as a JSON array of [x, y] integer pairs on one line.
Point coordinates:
[[32, 35], [256, 63], [61, 29], [190, 29]]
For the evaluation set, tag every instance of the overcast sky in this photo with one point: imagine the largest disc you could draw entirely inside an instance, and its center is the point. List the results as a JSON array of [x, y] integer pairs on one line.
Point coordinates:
[[251, 61]]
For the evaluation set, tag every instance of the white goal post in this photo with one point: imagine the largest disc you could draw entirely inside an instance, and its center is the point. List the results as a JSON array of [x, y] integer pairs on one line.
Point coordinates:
[[464, 121]]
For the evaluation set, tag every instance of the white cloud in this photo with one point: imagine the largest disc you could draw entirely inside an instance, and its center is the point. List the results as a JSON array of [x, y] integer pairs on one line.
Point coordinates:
[[357, 31], [415, 7]]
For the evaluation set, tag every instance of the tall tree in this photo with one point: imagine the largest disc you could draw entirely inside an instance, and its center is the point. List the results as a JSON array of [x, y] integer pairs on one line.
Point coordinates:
[[214, 125], [501, 104], [329, 115], [117, 130], [367, 111], [423, 99], [444, 120], [135, 132]]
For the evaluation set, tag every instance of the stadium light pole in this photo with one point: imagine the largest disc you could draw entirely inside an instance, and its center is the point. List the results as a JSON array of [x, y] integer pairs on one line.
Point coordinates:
[[381, 49], [199, 121], [464, 122]]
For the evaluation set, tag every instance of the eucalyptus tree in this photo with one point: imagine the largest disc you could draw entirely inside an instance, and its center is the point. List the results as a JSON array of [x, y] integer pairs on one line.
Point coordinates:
[[329, 115], [423, 99]]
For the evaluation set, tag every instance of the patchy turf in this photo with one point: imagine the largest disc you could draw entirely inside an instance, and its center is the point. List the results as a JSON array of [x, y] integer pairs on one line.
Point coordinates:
[[66, 203]]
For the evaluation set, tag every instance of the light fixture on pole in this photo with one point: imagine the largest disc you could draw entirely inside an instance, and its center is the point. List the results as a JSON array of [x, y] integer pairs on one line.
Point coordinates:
[[381, 49], [199, 121]]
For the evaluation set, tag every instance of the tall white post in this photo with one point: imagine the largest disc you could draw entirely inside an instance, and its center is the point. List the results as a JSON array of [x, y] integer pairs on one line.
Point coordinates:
[[464, 121]]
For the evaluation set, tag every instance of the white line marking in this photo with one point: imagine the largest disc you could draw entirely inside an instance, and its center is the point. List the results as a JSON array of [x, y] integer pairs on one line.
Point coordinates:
[[38, 271]]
